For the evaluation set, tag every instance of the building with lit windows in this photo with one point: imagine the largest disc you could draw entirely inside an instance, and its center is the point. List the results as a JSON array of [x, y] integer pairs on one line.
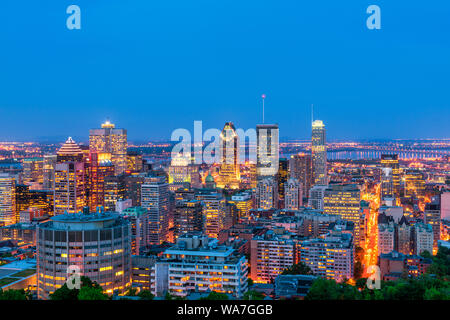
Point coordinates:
[[99, 167], [404, 237], [319, 153], [390, 161], [138, 218], [109, 139], [187, 217], [414, 183], [243, 202], [49, 171], [229, 170], [155, 198], [270, 255], [282, 178], [345, 202], [315, 199], [70, 179], [7, 199], [300, 168], [432, 216], [267, 193], [213, 212], [115, 190], [422, 238], [386, 237], [293, 194], [98, 243], [331, 256], [135, 162], [179, 172], [197, 263], [267, 150], [33, 171], [33, 199]]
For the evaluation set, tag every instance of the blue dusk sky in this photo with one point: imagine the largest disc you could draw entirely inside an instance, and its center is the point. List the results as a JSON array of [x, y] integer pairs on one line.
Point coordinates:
[[152, 66]]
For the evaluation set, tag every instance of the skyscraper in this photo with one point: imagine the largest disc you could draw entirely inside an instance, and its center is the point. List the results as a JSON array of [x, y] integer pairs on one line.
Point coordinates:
[[300, 168], [70, 179], [229, 173], [155, 198], [49, 172], [390, 161], [414, 183], [32, 171], [267, 150], [188, 217], [267, 193], [282, 178], [319, 153], [7, 199], [108, 139], [344, 201], [100, 167], [213, 212]]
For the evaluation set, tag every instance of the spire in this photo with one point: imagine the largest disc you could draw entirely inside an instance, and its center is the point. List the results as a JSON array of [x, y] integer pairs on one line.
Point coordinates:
[[263, 98]]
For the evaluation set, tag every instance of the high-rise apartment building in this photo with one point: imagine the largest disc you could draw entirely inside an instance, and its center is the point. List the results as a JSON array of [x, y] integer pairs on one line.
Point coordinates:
[[331, 256], [187, 217], [109, 139], [386, 237], [197, 263], [316, 194], [229, 170], [99, 167], [432, 216], [33, 171], [135, 162], [270, 255], [7, 199], [390, 161], [213, 212], [414, 183], [99, 244], [422, 238], [344, 201], [319, 153], [155, 198], [138, 218], [404, 237], [115, 190], [267, 193], [282, 178], [293, 194], [70, 179], [243, 202], [49, 172], [300, 168]]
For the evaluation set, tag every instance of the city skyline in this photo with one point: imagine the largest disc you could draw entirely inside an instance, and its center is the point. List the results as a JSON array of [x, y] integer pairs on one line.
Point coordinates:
[[256, 153]]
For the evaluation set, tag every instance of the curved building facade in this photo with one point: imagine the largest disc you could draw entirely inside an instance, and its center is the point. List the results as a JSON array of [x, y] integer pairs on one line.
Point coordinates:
[[98, 243]]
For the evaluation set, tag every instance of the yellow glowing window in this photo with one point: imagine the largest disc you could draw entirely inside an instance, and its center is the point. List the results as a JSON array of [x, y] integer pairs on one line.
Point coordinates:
[[106, 268]]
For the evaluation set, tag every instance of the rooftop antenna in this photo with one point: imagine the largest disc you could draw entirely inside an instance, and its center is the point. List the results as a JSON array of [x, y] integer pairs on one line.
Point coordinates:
[[263, 98], [312, 113]]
